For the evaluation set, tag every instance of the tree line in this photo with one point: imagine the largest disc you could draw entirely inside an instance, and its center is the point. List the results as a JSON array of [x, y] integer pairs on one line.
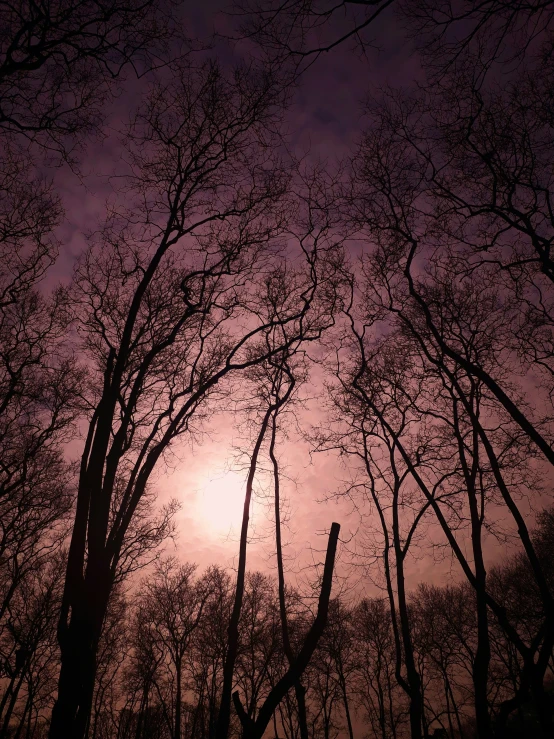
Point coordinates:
[[162, 653], [415, 276]]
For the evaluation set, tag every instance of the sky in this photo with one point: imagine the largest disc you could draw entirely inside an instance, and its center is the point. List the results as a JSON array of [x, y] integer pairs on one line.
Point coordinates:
[[325, 120]]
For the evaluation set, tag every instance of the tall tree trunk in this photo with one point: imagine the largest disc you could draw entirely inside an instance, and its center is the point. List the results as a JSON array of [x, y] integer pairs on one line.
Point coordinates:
[[347, 709], [178, 699], [30, 726], [256, 729], [84, 603], [76, 681], [11, 706], [224, 715], [480, 668], [413, 678], [543, 703], [299, 690]]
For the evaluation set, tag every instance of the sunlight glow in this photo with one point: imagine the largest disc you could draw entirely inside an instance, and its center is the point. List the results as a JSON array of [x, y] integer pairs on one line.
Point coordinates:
[[220, 501]]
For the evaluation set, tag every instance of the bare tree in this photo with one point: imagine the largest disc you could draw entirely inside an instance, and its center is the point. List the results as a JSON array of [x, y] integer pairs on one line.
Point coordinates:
[[324, 698], [439, 478], [337, 646], [28, 647], [39, 379], [142, 689], [256, 729], [445, 639], [284, 375], [490, 36], [260, 648], [40, 385], [60, 63], [319, 291], [431, 277], [172, 602], [112, 655], [208, 652], [272, 400], [372, 385], [170, 305], [376, 688], [297, 32]]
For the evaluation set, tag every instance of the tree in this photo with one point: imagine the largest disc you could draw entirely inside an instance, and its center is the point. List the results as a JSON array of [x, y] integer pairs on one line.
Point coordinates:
[[491, 36], [284, 378], [376, 688], [39, 378], [446, 641], [40, 385], [260, 646], [28, 647], [112, 656], [255, 729], [162, 301], [325, 698], [338, 644], [297, 32], [319, 291], [457, 316], [373, 386], [61, 62], [272, 398], [142, 706], [208, 652], [172, 603]]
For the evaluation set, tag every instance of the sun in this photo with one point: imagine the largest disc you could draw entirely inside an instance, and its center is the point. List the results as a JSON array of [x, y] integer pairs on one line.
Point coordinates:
[[220, 502]]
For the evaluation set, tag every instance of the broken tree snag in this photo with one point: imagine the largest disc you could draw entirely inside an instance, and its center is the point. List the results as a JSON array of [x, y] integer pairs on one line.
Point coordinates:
[[255, 729]]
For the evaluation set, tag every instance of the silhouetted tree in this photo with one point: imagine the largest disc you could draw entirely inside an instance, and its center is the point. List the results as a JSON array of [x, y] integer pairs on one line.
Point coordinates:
[[39, 380], [338, 644], [297, 32], [112, 655], [60, 63], [459, 316], [488, 36], [40, 384], [207, 654], [28, 648], [260, 646], [155, 320], [376, 688], [172, 603], [254, 729], [445, 636]]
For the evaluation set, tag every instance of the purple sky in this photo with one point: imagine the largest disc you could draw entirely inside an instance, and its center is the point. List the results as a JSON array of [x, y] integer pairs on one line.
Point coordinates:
[[325, 119]]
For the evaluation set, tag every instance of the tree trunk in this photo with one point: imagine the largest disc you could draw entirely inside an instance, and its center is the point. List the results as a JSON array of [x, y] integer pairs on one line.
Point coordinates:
[[347, 709], [76, 682], [413, 678], [482, 659], [256, 729], [299, 690], [178, 700], [543, 704], [11, 706], [143, 705], [224, 715]]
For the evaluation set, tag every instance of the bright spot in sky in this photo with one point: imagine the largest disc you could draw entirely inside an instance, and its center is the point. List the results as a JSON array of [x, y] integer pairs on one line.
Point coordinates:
[[220, 501]]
